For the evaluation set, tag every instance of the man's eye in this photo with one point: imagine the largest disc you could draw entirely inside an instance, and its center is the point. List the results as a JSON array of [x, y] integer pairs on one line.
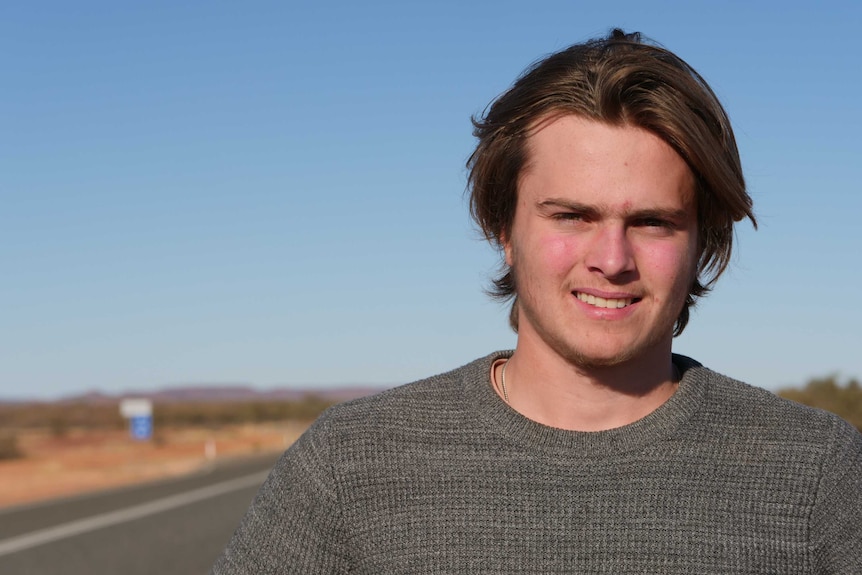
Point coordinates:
[[568, 216], [656, 223]]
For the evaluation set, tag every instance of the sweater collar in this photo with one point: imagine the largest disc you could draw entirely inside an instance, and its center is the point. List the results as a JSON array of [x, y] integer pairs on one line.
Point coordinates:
[[493, 412]]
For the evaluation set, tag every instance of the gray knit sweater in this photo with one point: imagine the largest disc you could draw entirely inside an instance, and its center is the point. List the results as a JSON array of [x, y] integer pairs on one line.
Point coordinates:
[[441, 476]]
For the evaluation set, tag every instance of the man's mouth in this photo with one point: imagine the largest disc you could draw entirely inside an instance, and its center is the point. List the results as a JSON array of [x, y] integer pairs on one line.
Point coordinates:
[[610, 303]]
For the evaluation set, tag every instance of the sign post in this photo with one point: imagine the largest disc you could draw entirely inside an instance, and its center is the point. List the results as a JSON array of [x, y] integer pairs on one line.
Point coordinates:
[[139, 412]]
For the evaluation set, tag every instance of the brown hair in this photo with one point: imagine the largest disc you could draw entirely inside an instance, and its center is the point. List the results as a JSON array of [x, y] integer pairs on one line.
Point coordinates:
[[618, 80]]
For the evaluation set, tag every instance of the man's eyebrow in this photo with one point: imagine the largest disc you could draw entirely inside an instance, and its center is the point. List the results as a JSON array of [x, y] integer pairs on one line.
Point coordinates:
[[659, 214], [562, 203], [646, 213]]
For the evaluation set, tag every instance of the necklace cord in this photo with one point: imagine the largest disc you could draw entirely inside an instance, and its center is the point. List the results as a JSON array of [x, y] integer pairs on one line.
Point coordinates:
[[503, 382]]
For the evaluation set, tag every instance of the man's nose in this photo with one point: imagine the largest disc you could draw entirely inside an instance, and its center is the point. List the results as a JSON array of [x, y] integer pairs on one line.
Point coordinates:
[[610, 253]]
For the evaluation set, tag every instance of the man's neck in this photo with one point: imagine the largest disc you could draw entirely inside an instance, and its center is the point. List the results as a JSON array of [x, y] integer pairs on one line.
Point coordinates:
[[550, 390]]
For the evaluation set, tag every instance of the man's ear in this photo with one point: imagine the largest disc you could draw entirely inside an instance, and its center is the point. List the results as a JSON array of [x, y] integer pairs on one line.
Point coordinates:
[[507, 248]]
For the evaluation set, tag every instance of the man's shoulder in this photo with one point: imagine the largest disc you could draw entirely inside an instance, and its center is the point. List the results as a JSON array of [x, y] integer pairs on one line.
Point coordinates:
[[428, 402], [755, 411]]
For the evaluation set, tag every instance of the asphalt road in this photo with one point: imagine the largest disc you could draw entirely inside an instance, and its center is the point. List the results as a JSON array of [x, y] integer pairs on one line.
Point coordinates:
[[167, 527]]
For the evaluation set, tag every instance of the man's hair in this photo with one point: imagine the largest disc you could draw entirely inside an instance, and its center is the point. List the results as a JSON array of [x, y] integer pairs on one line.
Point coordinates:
[[621, 80]]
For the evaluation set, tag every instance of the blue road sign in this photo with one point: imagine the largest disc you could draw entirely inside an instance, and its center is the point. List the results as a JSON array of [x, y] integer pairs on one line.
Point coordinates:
[[141, 427]]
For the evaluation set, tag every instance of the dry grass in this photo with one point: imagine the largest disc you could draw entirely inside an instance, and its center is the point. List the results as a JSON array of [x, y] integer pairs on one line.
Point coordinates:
[[82, 460]]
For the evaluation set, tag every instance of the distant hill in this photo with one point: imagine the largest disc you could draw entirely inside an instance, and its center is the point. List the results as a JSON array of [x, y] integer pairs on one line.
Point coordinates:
[[212, 394]]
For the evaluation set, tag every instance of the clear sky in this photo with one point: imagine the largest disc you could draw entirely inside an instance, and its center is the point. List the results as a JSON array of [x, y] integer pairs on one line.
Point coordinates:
[[272, 193]]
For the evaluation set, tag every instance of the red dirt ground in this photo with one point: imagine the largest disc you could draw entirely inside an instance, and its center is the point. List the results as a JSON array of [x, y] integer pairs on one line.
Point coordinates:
[[82, 461]]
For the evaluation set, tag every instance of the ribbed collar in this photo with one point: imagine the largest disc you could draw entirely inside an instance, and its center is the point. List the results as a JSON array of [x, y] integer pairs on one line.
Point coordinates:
[[493, 412]]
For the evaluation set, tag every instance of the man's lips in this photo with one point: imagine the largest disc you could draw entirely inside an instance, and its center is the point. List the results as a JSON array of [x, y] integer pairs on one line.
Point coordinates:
[[602, 302]]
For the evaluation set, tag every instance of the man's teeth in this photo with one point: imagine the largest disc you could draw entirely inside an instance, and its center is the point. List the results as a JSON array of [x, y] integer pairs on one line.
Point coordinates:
[[602, 302]]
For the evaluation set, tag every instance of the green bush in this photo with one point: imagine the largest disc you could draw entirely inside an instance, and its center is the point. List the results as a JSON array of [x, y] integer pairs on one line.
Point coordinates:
[[827, 393]]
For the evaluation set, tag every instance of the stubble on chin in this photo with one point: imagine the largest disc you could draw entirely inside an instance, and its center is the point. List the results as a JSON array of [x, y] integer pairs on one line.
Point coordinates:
[[576, 356]]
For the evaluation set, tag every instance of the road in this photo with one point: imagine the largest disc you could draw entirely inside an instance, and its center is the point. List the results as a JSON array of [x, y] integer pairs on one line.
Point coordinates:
[[168, 527]]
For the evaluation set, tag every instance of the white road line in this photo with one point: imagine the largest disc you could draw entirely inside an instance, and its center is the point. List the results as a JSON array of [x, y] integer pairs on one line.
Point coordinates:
[[72, 528]]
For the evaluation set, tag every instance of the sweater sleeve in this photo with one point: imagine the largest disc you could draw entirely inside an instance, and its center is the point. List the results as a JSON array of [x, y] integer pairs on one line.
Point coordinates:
[[836, 520], [293, 525]]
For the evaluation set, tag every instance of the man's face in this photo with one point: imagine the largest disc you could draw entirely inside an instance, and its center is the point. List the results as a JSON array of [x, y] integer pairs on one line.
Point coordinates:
[[603, 244]]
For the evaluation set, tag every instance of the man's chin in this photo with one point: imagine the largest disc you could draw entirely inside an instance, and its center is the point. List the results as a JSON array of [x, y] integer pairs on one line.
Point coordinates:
[[590, 361], [606, 357]]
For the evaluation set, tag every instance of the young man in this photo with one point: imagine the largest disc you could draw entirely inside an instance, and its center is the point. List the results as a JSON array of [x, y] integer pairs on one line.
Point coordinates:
[[609, 177]]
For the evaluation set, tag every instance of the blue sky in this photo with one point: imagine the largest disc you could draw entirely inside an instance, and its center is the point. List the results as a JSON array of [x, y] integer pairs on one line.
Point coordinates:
[[273, 192]]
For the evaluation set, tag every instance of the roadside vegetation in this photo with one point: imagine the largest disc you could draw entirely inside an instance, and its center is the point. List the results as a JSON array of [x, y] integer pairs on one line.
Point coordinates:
[[844, 399], [9, 446], [60, 419]]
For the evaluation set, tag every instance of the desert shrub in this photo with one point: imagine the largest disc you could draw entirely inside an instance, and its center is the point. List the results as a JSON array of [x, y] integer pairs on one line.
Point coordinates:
[[9, 446], [829, 394], [226, 413], [60, 418], [59, 425]]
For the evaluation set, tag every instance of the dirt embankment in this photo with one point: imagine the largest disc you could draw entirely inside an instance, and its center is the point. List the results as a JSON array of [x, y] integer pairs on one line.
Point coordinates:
[[82, 460]]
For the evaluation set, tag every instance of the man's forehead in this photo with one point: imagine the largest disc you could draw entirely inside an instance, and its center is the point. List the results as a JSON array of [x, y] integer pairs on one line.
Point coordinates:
[[577, 134], [569, 157]]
